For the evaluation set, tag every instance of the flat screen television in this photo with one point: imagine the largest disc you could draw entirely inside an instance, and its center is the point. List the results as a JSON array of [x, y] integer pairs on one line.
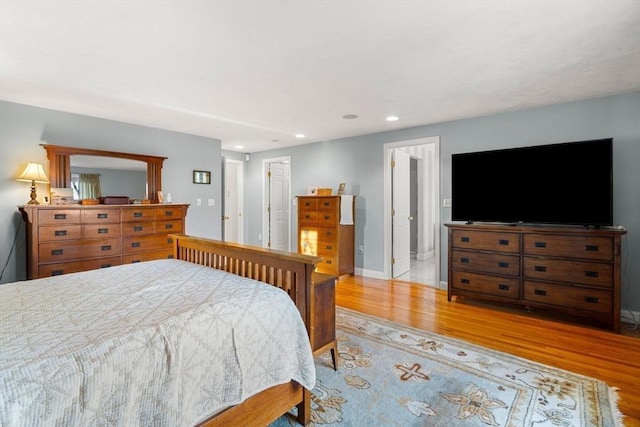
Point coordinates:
[[569, 183]]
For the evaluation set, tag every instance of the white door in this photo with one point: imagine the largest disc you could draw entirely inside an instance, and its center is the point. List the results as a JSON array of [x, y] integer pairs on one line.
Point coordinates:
[[233, 186], [401, 212], [277, 197]]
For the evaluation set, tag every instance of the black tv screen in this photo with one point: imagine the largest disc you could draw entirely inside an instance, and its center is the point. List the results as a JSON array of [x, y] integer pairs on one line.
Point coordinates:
[[569, 183]]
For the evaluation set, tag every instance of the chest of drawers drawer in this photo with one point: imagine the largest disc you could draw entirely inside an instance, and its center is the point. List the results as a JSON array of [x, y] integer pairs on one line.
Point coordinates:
[[97, 216], [136, 244], [586, 247], [58, 216], [503, 287], [575, 297], [487, 241], [46, 270], [78, 249], [174, 226], [496, 263], [569, 271]]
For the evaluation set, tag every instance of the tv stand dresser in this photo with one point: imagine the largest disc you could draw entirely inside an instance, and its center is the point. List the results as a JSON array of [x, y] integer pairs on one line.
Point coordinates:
[[572, 270]]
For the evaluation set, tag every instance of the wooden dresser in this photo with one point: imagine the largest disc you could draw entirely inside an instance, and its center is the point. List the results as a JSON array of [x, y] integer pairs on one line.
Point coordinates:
[[321, 234], [566, 269], [67, 239]]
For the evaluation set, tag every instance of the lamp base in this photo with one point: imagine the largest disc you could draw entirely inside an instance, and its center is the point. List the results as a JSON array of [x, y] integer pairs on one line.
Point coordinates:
[[34, 196]]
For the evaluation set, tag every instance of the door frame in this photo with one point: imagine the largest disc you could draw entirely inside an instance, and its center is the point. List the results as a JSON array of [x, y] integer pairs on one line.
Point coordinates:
[[387, 232], [264, 205]]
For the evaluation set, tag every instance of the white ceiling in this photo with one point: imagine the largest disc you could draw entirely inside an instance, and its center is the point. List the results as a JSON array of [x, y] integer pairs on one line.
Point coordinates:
[[251, 72]]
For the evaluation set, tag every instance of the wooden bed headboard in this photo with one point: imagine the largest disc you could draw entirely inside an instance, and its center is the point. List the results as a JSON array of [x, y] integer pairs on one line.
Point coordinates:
[[288, 271]]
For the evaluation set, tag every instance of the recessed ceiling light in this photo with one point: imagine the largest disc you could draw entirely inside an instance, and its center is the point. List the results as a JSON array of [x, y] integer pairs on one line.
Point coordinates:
[[300, 135], [239, 147], [393, 118], [350, 116]]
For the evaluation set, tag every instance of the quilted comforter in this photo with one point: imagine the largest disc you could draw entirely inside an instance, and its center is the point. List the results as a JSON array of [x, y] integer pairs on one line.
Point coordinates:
[[162, 343]]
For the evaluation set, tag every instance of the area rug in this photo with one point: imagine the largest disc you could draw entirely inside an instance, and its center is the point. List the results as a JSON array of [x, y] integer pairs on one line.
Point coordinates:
[[394, 375]]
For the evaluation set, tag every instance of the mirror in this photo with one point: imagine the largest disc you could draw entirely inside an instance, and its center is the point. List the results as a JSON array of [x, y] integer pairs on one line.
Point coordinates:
[[61, 158], [117, 177]]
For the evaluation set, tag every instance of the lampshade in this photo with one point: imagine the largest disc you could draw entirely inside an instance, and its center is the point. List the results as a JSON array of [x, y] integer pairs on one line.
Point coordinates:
[[34, 172]]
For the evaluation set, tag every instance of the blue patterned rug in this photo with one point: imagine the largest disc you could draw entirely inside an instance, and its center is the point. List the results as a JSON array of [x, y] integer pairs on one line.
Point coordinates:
[[394, 375]]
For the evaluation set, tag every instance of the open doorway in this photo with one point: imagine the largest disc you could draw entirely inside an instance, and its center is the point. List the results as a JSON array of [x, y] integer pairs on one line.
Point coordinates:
[[412, 225], [276, 203]]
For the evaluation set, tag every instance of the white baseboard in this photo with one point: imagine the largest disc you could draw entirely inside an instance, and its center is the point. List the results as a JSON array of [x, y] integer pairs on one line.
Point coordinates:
[[425, 256], [626, 316], [374, 274]]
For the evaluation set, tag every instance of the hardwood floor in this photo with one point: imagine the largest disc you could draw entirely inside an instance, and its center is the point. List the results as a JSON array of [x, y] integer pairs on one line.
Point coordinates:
[[612, 358]]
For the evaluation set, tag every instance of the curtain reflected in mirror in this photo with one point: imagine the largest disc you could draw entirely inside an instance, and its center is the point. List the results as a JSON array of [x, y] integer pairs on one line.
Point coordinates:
[[86, 186]]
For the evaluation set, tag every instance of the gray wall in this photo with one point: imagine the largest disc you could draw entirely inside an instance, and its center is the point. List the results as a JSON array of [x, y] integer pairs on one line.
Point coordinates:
[[24, 128], [358, 161]]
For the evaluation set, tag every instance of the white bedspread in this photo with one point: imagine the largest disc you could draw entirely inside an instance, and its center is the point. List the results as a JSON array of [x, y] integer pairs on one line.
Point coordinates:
[[162, 343]]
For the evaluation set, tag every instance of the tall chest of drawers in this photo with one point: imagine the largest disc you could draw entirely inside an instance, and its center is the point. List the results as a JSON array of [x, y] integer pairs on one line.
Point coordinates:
[[320, 232], [67, 239], [571, 270]]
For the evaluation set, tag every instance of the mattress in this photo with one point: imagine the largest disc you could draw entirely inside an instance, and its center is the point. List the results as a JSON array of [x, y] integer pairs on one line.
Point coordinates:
[[163, 343]]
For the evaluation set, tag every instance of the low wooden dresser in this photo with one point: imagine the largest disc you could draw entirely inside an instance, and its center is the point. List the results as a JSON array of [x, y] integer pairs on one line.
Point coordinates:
[[322, 327], [68, 238], [573, 270]]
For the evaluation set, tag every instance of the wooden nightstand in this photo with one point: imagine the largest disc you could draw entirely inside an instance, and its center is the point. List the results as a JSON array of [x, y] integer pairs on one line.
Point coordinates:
[[322, 330]]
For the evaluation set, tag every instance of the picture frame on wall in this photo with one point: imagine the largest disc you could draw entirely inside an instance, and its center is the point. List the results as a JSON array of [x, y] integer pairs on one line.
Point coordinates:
[[201, 177]]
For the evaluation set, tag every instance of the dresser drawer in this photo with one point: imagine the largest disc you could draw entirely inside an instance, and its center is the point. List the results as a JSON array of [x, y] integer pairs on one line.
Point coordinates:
[[138, 228], [308, 204], [169, 212], [486, 284], [587, 247], [495, 263], [137, 244], [60, 232], [93, 216], [169, 226], [569, 271], [46, 270], [327, 204], [58, 216], [327, 249], [92, 231], [598, 300], [138, 214], [77, 250], [488, 241], [147, 256], [328, 265]]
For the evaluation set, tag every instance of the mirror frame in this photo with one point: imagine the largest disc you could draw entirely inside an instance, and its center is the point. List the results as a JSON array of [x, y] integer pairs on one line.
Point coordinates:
[[60, 166]]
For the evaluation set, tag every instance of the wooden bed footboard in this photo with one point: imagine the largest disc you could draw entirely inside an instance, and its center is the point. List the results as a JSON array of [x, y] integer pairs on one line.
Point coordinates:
[[288, 271]]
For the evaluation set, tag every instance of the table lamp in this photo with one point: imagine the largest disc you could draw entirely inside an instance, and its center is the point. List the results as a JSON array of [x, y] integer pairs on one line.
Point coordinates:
[[34, 172]]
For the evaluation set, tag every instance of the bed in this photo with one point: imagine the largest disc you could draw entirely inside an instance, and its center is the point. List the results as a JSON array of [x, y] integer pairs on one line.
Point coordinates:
[[194, 340]]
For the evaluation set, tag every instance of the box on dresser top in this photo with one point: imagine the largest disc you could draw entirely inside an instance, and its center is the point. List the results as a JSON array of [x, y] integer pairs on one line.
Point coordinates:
[[573, 270], [71, 238]]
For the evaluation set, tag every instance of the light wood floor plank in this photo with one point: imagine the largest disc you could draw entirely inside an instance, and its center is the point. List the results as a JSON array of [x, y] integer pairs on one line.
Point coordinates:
[[587, 350]]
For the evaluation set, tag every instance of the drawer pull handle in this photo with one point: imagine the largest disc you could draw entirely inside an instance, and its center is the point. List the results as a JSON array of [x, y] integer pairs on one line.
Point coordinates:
[[540, 292], [60, 216], [169, 240], [591, 300], [103, 230], [329, 261], [57, 272], [326, 203], [307, 204], [591, 274], [170, 256], [307, 216], [57, 251], [103, 216], [540, 268], [591, 248], [329, 233], [106, 247], [105, 265], [503, 287], [464, 260], [168, 226], [133, 261], [465, 239], [168, 213], [540, 244], [465, 281], [60, 233], [137, 214], [329, 247], [503, 242], [326, 217], [135, 244], [138, 228], [503, 264]]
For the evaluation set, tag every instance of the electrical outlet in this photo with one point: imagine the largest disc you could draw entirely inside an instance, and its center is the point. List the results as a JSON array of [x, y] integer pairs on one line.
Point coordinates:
[[361, 249], [198, 202]]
